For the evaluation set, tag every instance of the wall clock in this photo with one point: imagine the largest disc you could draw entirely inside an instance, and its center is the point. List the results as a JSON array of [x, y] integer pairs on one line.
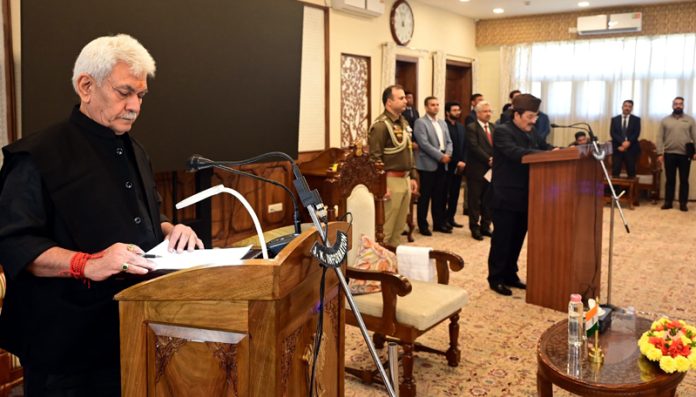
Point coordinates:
[[401, 22]]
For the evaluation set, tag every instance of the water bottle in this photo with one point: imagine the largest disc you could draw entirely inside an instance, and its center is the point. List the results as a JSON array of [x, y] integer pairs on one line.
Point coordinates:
[[575, 320]]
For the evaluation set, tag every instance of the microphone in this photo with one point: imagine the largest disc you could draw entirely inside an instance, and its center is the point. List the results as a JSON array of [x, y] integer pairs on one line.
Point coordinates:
[[197, 162], [583, 126]]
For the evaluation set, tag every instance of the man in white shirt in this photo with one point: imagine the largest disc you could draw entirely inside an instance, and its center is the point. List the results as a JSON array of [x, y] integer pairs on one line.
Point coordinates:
[[432, 159]]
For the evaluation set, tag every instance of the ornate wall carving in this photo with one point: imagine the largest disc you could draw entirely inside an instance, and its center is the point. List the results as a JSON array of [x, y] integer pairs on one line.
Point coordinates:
[[355, 98], [657, 19]]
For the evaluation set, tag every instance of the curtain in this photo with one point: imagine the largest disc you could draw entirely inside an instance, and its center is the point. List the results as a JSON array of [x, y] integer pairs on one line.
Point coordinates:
[[4, 133], [439, 78], [587, 80], [388, 64]]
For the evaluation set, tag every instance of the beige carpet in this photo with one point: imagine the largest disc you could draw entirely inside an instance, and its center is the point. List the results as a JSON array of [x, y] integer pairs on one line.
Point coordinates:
[[653, 271]]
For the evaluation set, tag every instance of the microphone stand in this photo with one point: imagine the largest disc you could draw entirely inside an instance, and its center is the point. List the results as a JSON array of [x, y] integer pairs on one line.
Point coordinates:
[[599, 155], [328, 256]]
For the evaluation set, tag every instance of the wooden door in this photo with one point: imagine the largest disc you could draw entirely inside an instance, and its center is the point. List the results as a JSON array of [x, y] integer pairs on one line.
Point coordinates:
[[407, 77], [458, 85]]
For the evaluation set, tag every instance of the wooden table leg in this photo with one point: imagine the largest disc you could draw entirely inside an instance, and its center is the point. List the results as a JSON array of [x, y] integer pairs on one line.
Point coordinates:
[[544, 386]]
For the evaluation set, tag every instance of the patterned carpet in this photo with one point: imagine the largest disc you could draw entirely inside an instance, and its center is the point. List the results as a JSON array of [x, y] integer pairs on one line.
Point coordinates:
[[653, 271]]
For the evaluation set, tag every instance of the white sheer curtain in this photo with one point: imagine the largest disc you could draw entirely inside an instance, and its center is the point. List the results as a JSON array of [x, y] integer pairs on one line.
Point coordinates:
[[588, 80]]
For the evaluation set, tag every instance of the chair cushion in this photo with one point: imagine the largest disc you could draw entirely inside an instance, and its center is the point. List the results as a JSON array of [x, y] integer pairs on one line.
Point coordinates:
[[361, 204], [645, 179], [426, 305], [371, 256]]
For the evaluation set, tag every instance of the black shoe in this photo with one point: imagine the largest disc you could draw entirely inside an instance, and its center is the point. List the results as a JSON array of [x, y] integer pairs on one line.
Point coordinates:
[[486, 232], [442, 229], [517, 284], [425, 232], [683, 207], [501, 289], [666, 206], [476, 235], [454, 224]]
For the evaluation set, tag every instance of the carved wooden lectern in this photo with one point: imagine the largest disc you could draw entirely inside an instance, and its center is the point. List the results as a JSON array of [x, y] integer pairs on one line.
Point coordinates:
[[246, 329], [564, 243]]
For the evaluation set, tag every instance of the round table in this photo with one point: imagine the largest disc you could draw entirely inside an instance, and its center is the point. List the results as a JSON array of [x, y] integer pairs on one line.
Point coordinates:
[[625, 372]]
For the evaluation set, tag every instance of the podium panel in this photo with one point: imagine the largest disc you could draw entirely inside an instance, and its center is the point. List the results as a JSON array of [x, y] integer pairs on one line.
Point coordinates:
[[564, 241], [246, 329]]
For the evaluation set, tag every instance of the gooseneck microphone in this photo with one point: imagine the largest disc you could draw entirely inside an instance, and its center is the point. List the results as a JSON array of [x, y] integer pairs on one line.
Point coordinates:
[[583, 126], [197, 162]]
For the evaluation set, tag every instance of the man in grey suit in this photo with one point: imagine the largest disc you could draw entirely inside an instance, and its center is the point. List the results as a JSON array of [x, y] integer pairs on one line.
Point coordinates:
[[435, 153]]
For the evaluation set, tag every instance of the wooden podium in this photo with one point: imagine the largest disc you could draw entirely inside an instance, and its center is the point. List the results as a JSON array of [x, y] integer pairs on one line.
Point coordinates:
[[246, 329], [564, 242]]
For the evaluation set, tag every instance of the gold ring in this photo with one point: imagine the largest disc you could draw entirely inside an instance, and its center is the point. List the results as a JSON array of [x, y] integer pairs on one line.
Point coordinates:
[[124, 267], [130, 247]]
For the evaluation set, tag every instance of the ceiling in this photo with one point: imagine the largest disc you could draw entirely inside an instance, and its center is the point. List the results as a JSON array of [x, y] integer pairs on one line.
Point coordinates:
[[483, 9]]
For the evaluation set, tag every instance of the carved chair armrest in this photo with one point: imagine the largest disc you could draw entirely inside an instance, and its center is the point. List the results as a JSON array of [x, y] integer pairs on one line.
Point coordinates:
[[444, 262], [392, 285]]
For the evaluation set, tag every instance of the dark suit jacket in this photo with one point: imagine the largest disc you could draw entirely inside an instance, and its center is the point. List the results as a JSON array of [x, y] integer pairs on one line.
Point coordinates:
[[510, 183], [632, 133], [411, 115], [459, 144], [480, 150], [470, 118]]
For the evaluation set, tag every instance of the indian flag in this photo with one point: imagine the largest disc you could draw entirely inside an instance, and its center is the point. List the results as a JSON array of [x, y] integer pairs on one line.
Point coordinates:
[[591, 318]]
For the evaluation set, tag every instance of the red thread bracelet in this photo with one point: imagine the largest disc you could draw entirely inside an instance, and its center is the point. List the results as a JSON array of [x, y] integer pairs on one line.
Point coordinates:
[[78, 262]]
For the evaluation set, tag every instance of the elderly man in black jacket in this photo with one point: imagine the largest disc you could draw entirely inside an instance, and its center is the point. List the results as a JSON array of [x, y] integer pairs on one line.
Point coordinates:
[[509, 191]]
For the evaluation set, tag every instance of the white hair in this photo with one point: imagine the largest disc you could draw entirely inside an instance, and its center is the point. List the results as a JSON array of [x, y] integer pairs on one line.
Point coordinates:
[[100, 55], [479, 106]]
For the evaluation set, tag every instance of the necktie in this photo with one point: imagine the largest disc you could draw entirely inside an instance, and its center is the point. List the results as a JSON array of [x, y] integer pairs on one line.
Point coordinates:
[[488, 133], [624, 127]]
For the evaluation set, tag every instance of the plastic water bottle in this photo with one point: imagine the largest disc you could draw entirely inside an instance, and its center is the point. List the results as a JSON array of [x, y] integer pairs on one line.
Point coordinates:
[[575, 323]]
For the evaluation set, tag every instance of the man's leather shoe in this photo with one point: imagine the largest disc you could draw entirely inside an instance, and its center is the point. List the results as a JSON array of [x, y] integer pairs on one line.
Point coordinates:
[[442, 230], [683, 207], [666, 206], [501, 289], [486, 232], [476, 235], [425, 232], [454, 224], [517, 284]]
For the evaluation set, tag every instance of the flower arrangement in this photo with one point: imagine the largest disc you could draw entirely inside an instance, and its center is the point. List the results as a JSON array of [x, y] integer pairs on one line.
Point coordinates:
[[672, 343]]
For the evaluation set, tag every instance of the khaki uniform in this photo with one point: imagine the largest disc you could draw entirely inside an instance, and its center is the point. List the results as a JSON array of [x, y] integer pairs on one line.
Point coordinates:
[[389, 141]]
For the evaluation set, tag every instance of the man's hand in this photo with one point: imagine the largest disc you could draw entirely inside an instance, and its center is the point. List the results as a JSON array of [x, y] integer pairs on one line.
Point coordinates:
[[119, 257], [621, 148], [414, 146], [181, 237], [460, 166], [626, 144], [414, 186], [490, 161], [387, 195], [446, 158], [660, 159]]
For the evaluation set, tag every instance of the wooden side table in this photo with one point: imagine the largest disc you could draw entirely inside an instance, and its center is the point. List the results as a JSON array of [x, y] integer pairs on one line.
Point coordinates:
[[625, 371], [630, 185]]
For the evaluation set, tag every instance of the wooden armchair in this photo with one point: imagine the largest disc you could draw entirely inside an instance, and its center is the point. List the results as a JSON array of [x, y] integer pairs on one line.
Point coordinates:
[[11, 373], [648, 170], [404, 309]]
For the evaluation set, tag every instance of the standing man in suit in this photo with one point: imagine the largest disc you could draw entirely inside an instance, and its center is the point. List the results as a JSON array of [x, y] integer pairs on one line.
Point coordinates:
[[473, 101], [675, 149], [625, 130], [432, 161], [509, 192], [390, 143], [411, 113], [479, 137], [453, 111]]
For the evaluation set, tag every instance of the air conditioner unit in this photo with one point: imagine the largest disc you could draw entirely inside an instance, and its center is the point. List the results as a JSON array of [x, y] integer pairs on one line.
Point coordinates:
[[365, 8], [595, 24], [628, 22]]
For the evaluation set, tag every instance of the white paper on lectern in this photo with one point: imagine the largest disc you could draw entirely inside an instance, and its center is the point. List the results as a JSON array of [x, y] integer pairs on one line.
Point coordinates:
[[187, 259]]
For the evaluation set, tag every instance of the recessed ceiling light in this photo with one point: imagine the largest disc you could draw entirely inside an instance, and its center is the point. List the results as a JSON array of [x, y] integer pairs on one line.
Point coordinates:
[[498, 11], [583, 4], [464, 1]]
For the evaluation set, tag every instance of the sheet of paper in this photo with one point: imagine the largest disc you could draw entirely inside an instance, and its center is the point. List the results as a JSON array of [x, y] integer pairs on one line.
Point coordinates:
[[187, 259], [489, 174]]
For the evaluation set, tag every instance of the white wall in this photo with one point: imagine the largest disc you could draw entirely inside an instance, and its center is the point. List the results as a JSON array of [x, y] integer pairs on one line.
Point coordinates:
[[435, 30]]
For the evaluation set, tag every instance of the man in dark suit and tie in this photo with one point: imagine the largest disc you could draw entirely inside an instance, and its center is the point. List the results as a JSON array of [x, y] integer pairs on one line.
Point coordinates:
[[473, 101], [411, 113], [509, 192], [479, 135], [453, 111], [431, 162], [625, 130]]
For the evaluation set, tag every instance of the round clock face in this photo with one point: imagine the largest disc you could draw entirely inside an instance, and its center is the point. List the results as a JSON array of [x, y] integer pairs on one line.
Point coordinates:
[[402, 22]]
